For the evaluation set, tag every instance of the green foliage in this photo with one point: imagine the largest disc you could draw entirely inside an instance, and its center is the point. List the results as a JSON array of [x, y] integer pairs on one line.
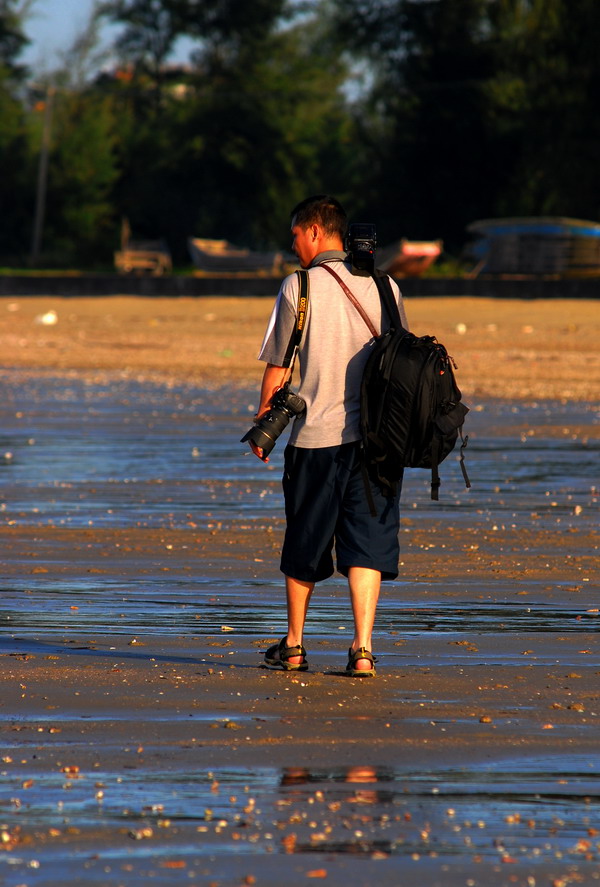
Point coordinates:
[[467, 109], [80, 219], [12, 39], [16, 198], [151, 28], [273, 128], [433, 166], [230, 148], [16, 180], [555, 129], [490, 107]]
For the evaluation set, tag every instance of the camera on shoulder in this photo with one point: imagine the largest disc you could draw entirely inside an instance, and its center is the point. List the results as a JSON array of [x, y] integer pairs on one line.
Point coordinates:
[[361, 243]]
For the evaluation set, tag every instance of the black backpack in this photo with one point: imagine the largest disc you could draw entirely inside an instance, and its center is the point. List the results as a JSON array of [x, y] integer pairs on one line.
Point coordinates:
[[411, 410]]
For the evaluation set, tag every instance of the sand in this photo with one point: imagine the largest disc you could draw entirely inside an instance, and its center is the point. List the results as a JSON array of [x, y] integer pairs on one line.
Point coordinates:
[[77, 706], [513, 349]]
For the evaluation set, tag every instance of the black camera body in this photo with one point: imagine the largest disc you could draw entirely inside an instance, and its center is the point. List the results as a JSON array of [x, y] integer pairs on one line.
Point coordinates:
[[285, 405], [361, 243]]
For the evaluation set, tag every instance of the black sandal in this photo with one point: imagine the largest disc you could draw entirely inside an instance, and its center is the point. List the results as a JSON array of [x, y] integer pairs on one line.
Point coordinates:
[[353, 657], [279, 655]]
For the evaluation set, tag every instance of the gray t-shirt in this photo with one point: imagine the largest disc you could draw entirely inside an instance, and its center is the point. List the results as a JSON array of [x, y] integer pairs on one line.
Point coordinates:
[[333, 352]]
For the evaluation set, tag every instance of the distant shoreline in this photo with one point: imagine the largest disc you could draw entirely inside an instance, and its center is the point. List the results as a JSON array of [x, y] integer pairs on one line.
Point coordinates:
[[74, 284]]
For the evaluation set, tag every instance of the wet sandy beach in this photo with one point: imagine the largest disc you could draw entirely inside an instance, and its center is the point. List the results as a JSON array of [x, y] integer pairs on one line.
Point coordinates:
[[504, 348], [141, 740]]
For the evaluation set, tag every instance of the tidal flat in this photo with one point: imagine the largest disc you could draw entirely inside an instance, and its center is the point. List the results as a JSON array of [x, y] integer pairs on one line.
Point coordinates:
[[142, 741]]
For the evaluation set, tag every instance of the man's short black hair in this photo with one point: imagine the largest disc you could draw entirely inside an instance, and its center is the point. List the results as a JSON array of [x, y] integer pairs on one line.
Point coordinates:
[[321, 210]]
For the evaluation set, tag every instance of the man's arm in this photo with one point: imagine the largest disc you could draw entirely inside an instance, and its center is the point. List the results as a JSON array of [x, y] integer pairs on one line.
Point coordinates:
[[274, 377]]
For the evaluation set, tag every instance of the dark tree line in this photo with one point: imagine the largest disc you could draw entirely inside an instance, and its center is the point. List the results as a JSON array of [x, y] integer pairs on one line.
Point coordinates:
[[422, 115], [488, 109]]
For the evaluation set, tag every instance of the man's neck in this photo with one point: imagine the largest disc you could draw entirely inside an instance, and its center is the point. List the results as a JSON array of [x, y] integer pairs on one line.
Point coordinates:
[[329, 244], [328, 255]]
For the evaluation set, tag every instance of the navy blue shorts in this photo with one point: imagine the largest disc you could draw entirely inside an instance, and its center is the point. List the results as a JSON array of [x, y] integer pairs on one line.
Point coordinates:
[[325, 506]]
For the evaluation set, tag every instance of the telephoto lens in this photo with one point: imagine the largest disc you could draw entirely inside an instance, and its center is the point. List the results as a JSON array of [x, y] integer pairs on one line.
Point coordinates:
[[284, 406]]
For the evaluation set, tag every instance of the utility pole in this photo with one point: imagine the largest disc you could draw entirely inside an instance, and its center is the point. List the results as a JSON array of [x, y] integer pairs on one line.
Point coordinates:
[[42, 179]]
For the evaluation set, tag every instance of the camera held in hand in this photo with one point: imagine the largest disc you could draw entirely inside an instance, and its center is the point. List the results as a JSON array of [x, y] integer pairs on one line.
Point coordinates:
[[285, 405]]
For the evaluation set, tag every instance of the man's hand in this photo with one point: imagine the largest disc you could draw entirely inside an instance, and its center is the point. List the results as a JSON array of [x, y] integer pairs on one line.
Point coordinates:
[[258, 451], [273, 379]]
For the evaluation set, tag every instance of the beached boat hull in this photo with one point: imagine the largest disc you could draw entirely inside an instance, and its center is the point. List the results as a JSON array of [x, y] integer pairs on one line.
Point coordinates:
[[545, 245], [409, 258], [221, 257]]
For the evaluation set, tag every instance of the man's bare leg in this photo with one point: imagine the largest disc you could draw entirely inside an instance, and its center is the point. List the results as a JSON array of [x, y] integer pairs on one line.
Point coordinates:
[[298, 595], [364, 586]]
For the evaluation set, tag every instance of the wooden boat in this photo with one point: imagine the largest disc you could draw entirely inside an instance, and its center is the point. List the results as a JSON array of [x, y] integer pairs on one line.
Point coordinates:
[[536, 246], [408, 258], [142, 256], [222, 257]]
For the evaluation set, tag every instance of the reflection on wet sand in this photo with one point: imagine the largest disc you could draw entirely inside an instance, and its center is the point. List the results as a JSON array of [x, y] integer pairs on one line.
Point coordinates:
[[139, 735], [353, 775]]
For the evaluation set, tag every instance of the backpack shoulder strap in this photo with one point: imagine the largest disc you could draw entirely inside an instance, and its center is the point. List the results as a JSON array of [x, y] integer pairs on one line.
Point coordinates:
[[388, 300]]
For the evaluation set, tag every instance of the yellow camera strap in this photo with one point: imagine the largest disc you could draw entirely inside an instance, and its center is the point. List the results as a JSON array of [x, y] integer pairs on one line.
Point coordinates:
[[301, 314], [302, 305]]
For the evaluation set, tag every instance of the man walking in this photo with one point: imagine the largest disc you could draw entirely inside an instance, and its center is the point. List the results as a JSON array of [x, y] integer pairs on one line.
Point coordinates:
[[326, 502]]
